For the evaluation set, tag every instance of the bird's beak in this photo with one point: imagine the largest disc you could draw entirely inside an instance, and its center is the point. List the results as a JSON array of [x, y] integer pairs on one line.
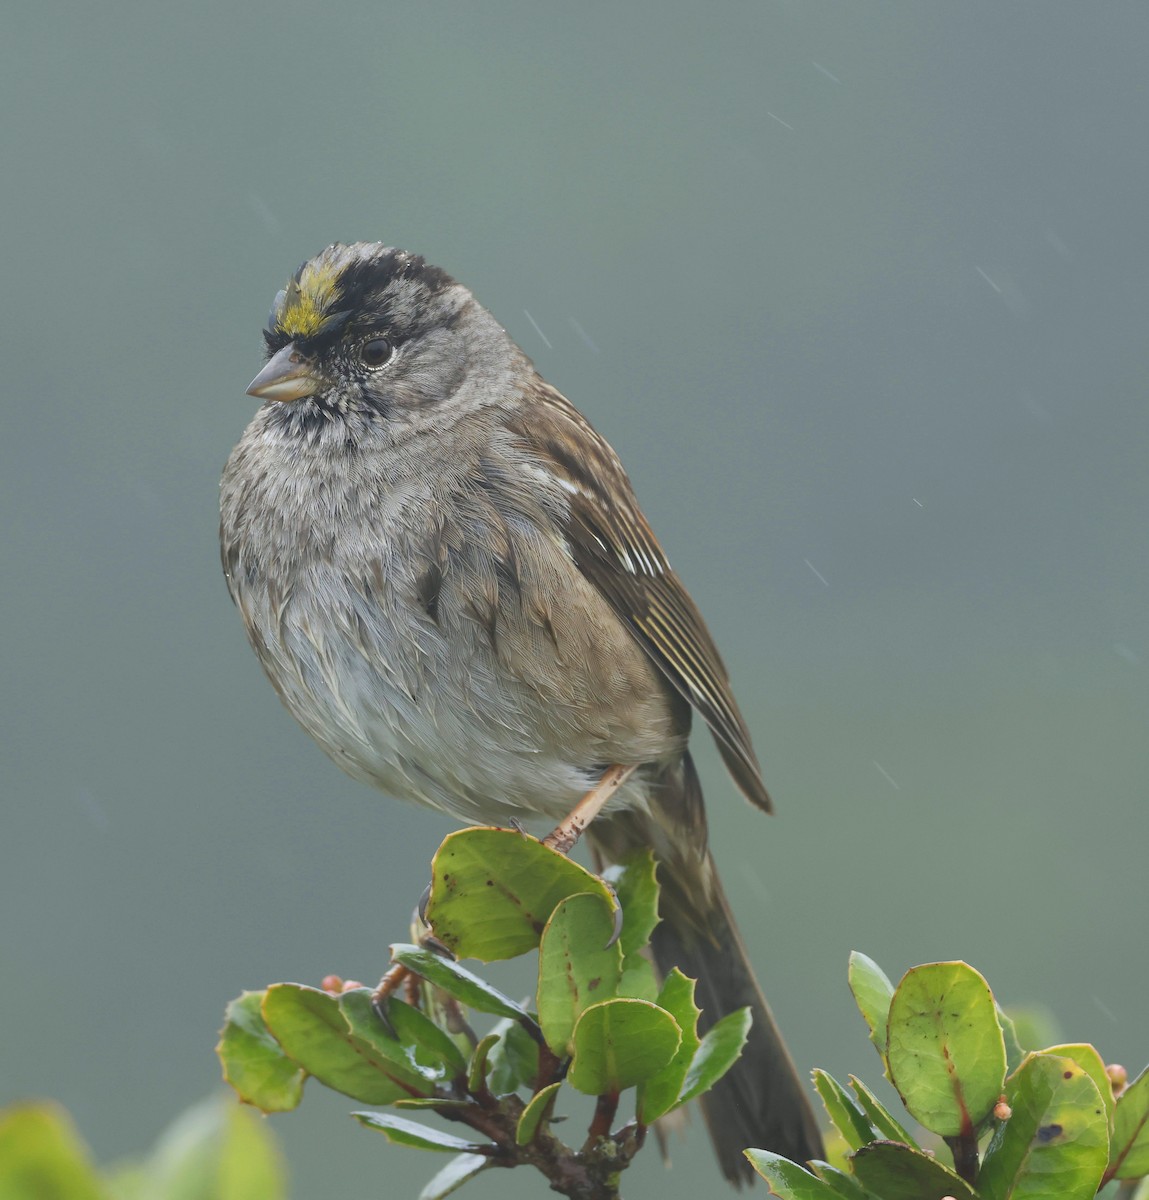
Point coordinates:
[[288, 376]]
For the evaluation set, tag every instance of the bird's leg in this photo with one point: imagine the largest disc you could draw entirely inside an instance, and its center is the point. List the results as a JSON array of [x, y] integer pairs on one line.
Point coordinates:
[[398, 976], [568, 831]]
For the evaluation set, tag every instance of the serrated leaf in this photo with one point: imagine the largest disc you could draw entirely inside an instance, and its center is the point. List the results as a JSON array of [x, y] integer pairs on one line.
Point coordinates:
[[536, 1112], [889, 1128], [467, 987], [513, 1062], [845, 1115], [493, 891], [897, 1172], [717, 1052], [1055, 1144], [310, 1027], [417, 1041], [254, 1062], [786, 1179], [454, 1175], [42, 1155], [945, 1049], [636, 885], [872, 992], [403, 1132], [1130, 1153], [620, 1043], [577, 968], [660, 1093]]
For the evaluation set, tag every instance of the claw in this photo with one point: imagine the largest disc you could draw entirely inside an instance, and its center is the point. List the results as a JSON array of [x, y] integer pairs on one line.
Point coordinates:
[[616, 915], [393, 978], [424, 900]]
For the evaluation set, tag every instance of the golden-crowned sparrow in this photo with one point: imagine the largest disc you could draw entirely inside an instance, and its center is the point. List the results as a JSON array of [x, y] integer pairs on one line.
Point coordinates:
[[446, 576]]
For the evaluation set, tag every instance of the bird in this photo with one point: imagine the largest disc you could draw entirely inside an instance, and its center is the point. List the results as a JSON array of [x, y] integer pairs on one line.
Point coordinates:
[[445, 574]]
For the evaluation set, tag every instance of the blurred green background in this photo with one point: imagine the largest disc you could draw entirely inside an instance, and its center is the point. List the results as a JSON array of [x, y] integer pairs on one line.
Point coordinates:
[[858, 292]]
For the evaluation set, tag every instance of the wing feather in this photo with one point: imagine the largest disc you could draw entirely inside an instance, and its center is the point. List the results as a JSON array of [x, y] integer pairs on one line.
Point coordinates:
[[615, 548]]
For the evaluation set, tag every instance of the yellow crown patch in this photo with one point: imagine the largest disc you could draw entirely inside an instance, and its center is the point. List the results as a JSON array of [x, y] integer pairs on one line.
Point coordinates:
[[307, 300]]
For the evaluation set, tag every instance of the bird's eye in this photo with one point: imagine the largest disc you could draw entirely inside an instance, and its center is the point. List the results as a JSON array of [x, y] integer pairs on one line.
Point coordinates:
[[375, 352]]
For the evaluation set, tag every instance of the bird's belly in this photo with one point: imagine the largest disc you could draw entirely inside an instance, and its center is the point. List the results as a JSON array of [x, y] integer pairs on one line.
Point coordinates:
[[438, 719]]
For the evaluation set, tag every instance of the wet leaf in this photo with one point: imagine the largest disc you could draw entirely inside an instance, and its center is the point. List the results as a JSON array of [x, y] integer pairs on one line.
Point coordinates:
[[467, 987], [417, 1041], [403, 1132], [454, 1175], [311, 1029]]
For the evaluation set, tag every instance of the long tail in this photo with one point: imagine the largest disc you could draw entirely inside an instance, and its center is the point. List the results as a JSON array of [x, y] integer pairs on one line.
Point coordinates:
[[761, 1102]]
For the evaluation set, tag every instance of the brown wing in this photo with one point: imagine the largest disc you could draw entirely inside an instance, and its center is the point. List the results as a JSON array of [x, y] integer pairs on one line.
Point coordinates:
[[616, 550]]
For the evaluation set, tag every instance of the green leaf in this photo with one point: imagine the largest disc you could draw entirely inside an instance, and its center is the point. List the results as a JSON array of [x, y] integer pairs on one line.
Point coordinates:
[[619, 1043], [1130, 1154], [845, 1115], [477, 1071], [1014, 1054], [513, 1062], [312, 1030], [945, 1048], [493, 891], [659, 1094], [844, 1185], [636, 886], [456, 981], [417, 1041], [43, 1158], [1055, 1144], [253, 1061], [897, 1172], [454, 1175], [873, 992], [638, 980], [217, 1150], [535, 1113], [787, 1180], [422, 1137], [887, 1126], [438, 1104], [1087, 1058], [718, 1051], [576, 966]]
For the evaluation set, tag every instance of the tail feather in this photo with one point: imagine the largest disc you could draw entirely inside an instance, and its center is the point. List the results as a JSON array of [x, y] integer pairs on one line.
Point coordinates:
[[761, 1102]]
